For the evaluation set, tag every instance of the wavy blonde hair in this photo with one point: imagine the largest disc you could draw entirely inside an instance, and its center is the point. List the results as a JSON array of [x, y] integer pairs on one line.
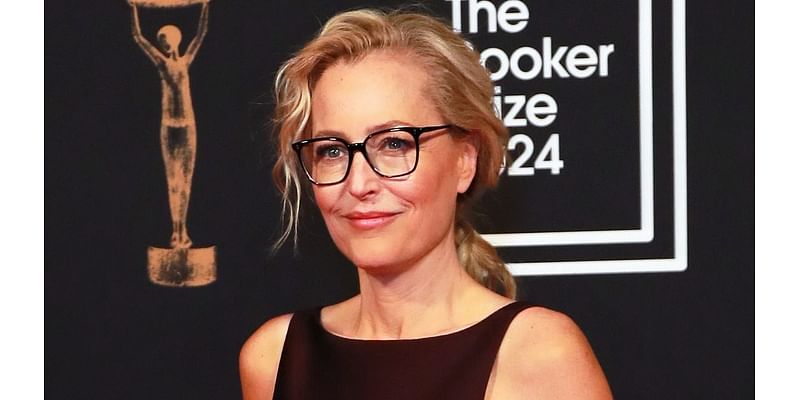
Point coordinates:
[[461, 90]]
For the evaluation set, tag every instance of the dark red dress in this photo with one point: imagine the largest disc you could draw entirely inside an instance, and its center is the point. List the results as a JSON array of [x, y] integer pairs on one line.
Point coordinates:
[[316, 364]]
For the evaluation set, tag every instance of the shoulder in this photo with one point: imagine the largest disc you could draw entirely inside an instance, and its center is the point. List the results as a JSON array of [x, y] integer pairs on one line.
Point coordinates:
[[537, 326], [260, 356], [545, 354], [267, 340]]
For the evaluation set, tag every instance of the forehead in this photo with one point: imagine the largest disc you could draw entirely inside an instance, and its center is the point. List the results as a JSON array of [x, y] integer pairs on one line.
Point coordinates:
[[354, 97]]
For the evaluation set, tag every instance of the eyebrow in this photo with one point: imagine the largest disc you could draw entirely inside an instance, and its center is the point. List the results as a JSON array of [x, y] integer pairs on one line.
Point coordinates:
[[374, 128], [386, 125]]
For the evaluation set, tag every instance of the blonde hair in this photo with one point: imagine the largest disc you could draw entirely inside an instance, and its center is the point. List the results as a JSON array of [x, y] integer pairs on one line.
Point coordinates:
[[461, 90]]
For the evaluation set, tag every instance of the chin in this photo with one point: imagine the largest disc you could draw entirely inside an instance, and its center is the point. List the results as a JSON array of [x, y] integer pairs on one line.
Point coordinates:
[[375, 256]]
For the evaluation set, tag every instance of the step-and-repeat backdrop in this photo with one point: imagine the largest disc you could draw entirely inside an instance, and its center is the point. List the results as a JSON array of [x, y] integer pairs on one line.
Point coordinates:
[[625, 200]]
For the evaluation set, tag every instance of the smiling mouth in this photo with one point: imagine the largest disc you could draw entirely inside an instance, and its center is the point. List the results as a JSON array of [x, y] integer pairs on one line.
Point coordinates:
[[370, 220]]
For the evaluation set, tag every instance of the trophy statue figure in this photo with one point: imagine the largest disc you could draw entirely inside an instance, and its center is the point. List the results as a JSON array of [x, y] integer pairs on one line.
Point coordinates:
[[179, 265]]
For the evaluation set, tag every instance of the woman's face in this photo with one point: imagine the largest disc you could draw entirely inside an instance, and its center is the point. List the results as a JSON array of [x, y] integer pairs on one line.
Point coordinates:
[[387, 224]]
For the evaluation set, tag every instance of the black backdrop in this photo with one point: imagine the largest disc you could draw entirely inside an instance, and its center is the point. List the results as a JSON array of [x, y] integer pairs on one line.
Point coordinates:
[[112, 334]]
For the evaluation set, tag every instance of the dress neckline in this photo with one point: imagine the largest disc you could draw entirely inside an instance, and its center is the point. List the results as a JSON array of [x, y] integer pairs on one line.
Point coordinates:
[[462, 330]]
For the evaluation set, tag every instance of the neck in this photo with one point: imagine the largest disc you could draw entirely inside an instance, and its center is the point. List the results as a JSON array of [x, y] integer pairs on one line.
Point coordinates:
[[416, 302]]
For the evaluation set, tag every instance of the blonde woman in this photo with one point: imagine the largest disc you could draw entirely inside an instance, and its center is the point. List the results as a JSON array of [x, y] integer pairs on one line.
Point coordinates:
[[387, 119]]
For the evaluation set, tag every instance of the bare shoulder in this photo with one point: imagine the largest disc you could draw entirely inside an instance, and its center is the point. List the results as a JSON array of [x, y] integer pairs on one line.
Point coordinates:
[[536, 326], [260, 356], [546, 355]]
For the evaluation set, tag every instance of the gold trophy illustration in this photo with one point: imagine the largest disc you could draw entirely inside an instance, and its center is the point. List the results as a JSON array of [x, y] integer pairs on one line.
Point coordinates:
[[180, 264]]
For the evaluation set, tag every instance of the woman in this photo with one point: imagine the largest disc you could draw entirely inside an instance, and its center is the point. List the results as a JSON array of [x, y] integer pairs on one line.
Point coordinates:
[[389, 117]]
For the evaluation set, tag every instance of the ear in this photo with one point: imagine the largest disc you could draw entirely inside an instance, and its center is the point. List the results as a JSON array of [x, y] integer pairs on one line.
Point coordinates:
[[467, 165]]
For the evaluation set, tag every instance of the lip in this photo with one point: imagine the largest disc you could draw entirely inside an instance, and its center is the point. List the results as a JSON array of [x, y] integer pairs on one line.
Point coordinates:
[[370, 219]]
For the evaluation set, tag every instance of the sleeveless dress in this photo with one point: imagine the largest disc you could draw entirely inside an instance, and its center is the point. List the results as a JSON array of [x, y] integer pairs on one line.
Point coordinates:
[[316, 364]]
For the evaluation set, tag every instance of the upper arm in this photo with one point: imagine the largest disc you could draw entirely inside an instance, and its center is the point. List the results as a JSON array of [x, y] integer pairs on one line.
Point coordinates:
[[260, 356], [143, 43], [202, 29], [545, 355], [151, 51]]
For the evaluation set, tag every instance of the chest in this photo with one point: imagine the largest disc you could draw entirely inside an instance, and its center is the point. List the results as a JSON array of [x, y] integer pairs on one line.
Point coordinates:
[[317, 364]]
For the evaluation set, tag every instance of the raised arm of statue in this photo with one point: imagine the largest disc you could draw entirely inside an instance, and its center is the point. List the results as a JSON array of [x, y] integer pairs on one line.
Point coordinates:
[[202, 28], [151, 51]]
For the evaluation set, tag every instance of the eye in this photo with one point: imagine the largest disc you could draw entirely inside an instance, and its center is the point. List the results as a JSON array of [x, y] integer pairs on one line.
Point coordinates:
[[329, 151], [396, 143]]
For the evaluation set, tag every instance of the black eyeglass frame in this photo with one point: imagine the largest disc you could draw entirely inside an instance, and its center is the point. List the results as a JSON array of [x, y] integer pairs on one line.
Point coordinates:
[[353, 148]]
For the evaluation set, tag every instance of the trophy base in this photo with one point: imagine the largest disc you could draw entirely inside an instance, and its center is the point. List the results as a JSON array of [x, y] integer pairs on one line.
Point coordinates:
[[182, 267]]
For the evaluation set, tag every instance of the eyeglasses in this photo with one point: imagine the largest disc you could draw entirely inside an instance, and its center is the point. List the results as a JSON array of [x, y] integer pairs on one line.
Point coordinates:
[[391, 153]]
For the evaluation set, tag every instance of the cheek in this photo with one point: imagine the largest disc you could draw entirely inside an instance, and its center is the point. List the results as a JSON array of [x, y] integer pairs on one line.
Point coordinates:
[[433, 192], [440, 174], [326, 200]]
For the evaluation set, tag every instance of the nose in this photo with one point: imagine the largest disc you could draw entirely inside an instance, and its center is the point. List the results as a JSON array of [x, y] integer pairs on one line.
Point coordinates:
[[361, 181]]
